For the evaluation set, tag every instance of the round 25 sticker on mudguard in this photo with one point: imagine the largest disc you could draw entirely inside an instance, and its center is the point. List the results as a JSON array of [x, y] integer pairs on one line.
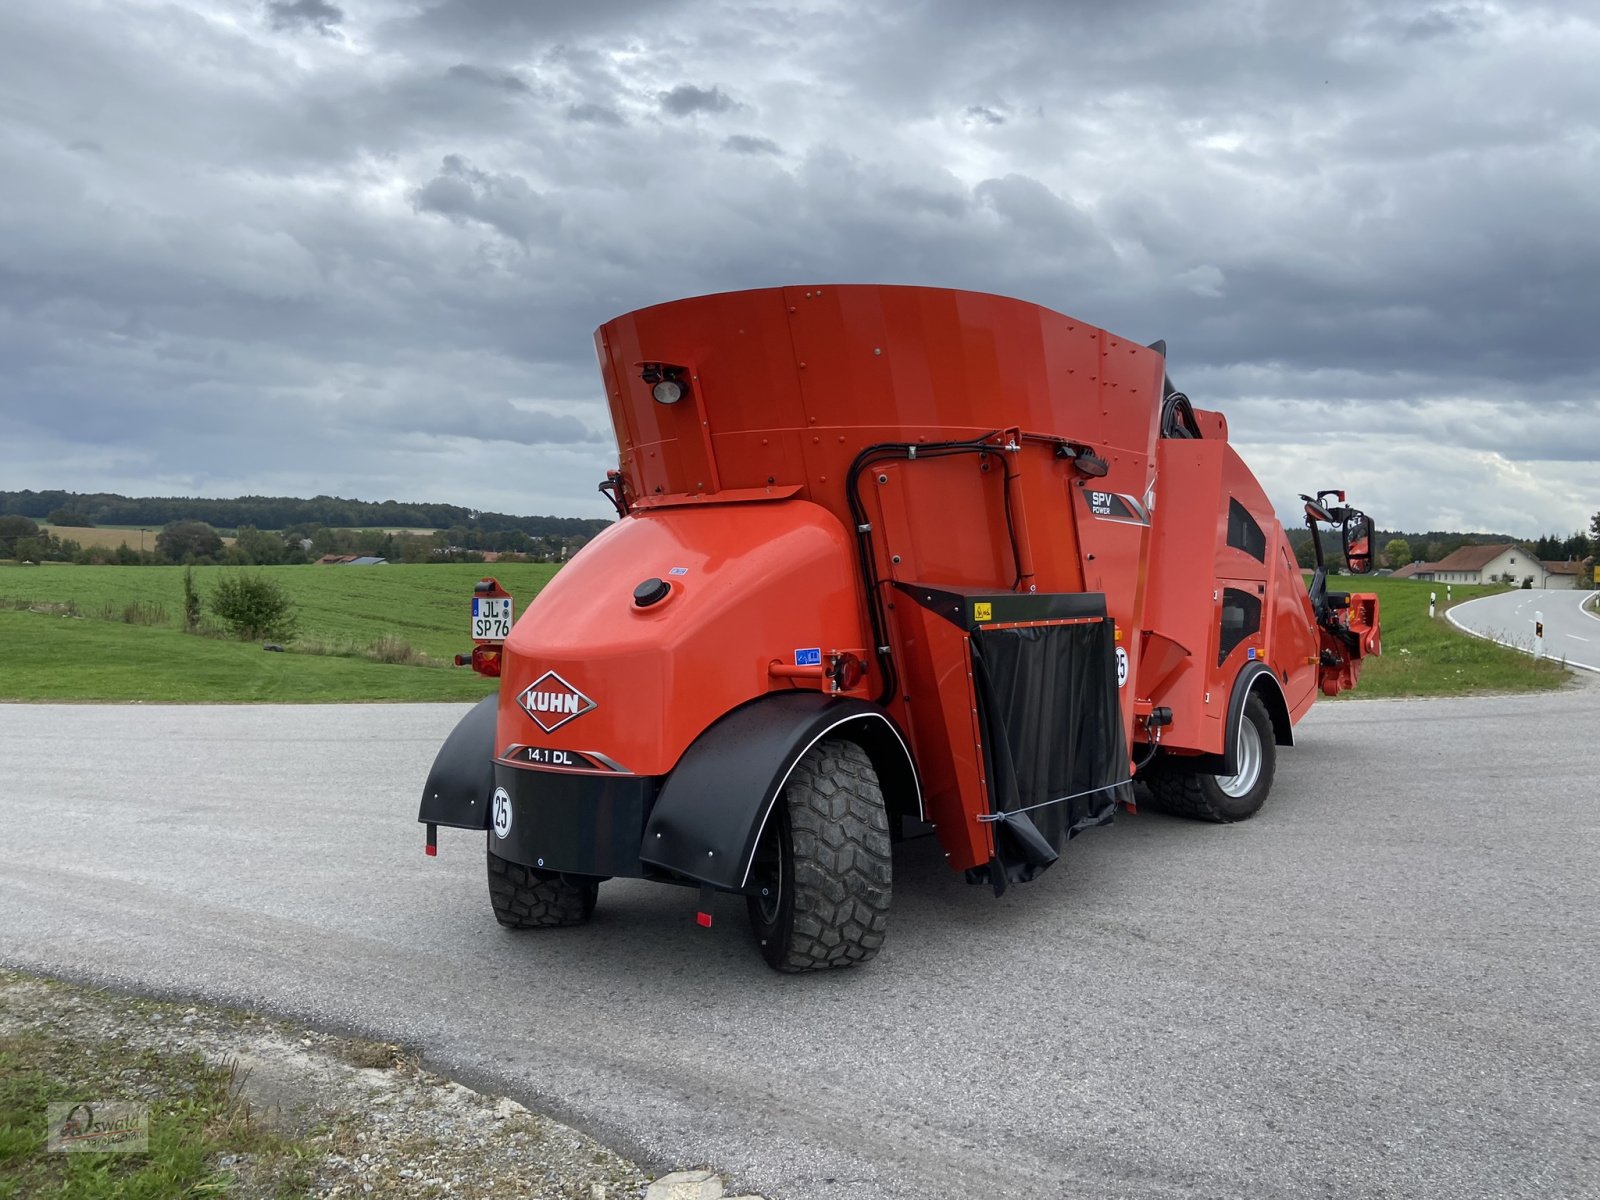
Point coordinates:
[[491, 618], [500, 813], [1122, 666]]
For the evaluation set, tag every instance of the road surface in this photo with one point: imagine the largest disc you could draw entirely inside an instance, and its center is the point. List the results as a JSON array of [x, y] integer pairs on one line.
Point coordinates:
[[1571, 633], [1385, 985]]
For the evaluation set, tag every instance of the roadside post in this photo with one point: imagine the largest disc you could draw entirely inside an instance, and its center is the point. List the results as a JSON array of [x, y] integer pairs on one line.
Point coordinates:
[[1538, 635], [1432, 598], [1447, 588]]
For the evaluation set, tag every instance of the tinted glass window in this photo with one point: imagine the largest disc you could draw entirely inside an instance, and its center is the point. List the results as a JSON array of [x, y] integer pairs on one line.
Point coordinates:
[[1241, 616], [1243, 532]]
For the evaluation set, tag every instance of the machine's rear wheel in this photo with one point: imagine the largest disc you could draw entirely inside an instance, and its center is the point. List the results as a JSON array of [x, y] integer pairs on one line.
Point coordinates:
[[1224, 797], [525, 898], [821, 879]]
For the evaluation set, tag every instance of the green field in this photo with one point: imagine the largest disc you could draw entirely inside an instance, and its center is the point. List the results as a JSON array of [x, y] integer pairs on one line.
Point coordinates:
[[64, 634], [113, 634], [1434, 658]]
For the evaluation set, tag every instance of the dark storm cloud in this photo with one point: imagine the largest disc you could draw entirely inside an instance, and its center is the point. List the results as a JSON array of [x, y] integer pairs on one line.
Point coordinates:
[[1440, 23], [494, 79], [305, 14], [522, 25], [595, 114], [242, 256], [505, 203], [686, 100], [743, 143]]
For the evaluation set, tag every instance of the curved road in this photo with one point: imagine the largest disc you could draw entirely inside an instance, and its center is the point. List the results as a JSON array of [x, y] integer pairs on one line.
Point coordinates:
[[1385, 985], [1570, 632]]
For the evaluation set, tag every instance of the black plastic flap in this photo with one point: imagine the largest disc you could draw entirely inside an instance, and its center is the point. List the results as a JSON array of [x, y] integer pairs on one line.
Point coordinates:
[[1054, 747]]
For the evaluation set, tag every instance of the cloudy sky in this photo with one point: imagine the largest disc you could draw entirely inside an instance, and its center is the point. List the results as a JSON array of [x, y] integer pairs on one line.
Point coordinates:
[[360, 246]]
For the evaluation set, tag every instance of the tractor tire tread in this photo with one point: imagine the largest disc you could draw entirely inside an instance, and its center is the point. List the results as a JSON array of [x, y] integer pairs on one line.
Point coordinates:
[[842, 865], [525, 898], [1194, 794], [1179, 793]]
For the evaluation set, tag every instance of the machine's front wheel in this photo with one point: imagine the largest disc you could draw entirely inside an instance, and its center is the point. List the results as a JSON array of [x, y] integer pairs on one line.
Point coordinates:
[[822, 878], [1224, 797], [525, 898]]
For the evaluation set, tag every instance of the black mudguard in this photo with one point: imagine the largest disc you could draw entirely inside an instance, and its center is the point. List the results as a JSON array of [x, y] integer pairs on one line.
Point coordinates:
[[462, 779], [712, 809]]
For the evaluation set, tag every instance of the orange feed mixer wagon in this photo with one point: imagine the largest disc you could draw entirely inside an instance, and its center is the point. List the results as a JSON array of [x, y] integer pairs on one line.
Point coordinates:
[[887, 559]]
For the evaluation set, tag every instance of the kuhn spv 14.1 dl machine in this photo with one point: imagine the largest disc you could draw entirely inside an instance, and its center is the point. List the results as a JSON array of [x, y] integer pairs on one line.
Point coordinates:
[[887, 558]]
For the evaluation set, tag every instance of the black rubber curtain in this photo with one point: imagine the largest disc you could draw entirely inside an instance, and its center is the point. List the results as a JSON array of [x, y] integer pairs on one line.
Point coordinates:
[[1054, 748]]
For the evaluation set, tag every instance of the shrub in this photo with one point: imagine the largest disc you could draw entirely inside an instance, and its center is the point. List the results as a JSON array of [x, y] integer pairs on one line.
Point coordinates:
[[253, 606], [392, 648], [191, 601]]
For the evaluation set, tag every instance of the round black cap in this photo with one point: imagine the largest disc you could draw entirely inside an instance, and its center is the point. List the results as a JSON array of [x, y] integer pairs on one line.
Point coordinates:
[[650, 591]]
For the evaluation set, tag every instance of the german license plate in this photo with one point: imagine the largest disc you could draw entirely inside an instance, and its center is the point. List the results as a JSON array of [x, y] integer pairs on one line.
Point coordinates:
[[491, 618]]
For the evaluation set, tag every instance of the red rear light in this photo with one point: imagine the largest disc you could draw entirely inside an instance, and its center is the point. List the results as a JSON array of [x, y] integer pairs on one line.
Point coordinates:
[[486, 660], [848, 672]]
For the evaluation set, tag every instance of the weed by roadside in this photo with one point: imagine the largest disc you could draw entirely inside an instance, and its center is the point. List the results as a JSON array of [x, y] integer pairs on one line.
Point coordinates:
[[195, 1115], [134, 612], [385, 648]]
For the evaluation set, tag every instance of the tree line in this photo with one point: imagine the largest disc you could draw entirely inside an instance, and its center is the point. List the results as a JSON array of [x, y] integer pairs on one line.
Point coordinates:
[[22, 538], [1397, 547], [280, 512]]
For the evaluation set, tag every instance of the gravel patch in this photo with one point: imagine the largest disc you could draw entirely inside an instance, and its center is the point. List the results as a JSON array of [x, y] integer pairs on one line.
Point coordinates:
[[363, 1117]]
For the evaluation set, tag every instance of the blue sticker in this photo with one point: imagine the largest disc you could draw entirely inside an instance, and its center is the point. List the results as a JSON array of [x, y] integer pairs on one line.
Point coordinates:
[[1251, 653], [808, 658], [678, 571]]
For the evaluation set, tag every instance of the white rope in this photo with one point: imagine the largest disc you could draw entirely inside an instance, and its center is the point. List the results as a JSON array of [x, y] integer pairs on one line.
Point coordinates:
[[1059, 800]]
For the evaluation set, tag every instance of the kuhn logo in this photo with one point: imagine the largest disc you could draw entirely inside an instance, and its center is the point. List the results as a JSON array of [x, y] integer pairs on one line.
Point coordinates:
[[551, 701]]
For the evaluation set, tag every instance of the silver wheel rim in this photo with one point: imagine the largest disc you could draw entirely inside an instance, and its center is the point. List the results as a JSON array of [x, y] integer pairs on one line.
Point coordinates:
[[1239, 785]]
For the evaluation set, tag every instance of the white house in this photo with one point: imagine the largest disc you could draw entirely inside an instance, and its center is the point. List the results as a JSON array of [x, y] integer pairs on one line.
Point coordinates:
[[1568, 576], [1491, 564]]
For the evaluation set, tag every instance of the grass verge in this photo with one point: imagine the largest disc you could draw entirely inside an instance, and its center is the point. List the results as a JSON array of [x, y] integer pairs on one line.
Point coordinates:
[[1431, 657], [195, 1116]]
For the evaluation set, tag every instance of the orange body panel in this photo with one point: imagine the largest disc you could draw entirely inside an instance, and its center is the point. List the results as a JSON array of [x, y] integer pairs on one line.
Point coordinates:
[[740, 487], [758, 581]]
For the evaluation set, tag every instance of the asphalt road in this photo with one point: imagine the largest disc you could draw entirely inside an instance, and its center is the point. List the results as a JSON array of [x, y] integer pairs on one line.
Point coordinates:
[[1570, 633], [1385, 985]]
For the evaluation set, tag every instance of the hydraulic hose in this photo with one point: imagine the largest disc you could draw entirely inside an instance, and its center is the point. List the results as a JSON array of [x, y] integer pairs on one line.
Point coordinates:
[[883, 452]]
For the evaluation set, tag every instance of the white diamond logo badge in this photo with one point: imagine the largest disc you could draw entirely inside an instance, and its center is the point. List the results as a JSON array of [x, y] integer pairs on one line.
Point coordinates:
[[551, 701]]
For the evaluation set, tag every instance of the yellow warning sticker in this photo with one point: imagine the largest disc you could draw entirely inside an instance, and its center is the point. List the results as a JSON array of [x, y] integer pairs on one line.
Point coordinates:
[[982, 610]]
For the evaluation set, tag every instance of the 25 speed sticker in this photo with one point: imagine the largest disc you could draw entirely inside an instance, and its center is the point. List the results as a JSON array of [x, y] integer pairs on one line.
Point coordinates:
[[500, 813]]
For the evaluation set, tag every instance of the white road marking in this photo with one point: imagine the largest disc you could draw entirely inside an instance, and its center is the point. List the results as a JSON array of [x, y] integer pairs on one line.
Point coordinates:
[[1575, 637]]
